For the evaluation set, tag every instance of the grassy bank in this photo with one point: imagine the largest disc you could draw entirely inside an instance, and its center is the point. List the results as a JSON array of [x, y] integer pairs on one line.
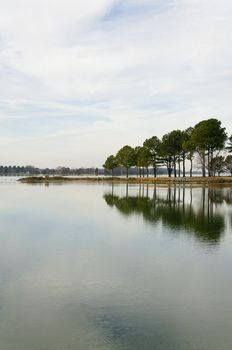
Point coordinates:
[[219, 180]]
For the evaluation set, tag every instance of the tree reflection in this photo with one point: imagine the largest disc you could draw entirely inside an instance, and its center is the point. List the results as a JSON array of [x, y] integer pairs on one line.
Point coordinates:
[[179, 208]]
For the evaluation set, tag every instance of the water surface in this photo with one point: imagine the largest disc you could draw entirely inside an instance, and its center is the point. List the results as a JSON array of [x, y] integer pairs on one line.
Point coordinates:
[[123, 267]]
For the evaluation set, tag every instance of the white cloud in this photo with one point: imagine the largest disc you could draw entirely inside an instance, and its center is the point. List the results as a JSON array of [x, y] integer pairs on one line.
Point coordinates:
[[80, 79]]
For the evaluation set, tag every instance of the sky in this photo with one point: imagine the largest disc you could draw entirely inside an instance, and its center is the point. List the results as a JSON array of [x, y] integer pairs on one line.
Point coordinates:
[[80, 79]]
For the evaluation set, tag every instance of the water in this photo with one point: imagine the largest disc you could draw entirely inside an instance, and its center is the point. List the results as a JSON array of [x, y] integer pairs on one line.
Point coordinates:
[[124, 267]]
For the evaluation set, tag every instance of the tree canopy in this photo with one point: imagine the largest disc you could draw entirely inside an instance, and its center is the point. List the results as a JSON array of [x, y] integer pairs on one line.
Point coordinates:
[[205, 142], [126, 157], [111, 163]]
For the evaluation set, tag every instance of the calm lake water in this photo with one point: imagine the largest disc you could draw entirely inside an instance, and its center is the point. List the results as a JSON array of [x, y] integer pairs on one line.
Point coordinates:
[[96, 267]]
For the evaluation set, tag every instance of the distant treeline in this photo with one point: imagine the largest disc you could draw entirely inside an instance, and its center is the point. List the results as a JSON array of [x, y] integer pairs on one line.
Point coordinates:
[[206, 145], [31, 170], [65, 171]]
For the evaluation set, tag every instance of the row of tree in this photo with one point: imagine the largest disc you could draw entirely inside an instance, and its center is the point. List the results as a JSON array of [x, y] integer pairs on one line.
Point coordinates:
[[61, 171], [207, 142]]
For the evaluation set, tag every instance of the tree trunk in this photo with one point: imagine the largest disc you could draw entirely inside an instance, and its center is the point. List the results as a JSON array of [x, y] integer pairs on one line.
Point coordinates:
[[209, 165], [179, 167], [147, 172], [127, 172], [183, 165], [203, 164], [154, 171], [211, 158], [155, 167], [191, 167]]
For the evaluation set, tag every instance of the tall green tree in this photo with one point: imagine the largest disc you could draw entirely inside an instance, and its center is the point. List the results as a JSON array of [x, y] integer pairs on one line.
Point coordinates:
[[229, 146], [153, 146], [218, 165], [228, 164], [208, 136], [185, 148], [110, 164], [170, 149], [142, 159], [190, 149], [126, 158]]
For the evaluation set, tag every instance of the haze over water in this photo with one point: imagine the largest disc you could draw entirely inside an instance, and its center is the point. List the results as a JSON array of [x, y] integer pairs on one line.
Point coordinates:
[[115, 267]]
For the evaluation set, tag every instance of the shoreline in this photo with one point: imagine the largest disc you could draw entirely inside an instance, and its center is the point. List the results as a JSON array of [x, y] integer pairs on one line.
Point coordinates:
[[195, 180]]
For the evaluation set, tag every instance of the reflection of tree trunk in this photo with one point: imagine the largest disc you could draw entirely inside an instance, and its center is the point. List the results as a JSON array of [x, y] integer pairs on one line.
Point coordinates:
[[183, 198], [203, 199], [174, 196], [112, 189], [147, 192], [211, 210], [210, 204], [127, 190], [169, 196], [191, 198], [154, 194], [179, 196]]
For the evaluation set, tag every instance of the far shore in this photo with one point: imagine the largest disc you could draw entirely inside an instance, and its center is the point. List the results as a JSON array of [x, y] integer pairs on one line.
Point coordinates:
[[196, 180]]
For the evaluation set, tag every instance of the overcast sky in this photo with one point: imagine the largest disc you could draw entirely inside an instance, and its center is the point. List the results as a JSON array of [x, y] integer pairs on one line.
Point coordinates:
[[79, 79]]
